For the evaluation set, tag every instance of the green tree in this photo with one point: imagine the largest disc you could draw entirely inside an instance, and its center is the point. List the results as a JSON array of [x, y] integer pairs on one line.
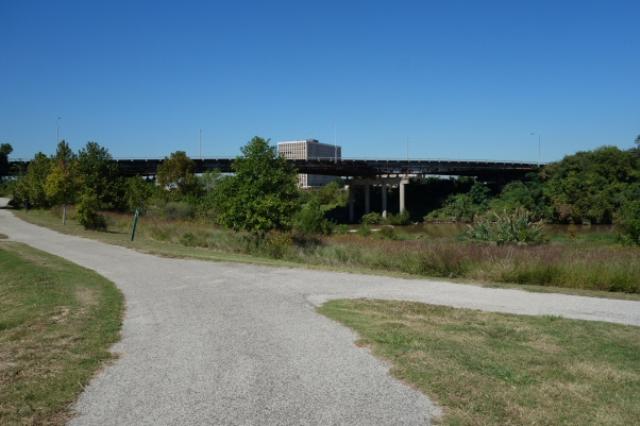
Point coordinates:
[[526, 194], [310, 219], [137, 193], [176, 173], [463, 207], [62, 182], [30, 188], [262, 195], [5, 150], [96, 170], [588, 186]]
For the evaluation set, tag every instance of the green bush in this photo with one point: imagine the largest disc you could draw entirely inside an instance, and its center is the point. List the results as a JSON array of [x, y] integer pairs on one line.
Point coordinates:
[[341, 229], [629, 222], [399, 219], [462, 207], [372, 218], [88, 213], [310, 220], [508, 227], [387, 233], [364, 230]]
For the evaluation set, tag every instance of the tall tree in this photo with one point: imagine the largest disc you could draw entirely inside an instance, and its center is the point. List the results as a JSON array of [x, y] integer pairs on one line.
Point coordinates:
[[176, 173], [262, 195], [96, 170], [62, 182]]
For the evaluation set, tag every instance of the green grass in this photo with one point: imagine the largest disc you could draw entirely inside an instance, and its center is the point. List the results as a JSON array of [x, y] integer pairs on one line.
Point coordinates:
[[501, 369], [575, 268], [57, 322]]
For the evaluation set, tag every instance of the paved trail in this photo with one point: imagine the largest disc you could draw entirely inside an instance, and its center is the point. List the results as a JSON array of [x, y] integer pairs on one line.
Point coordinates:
[[226, 343]]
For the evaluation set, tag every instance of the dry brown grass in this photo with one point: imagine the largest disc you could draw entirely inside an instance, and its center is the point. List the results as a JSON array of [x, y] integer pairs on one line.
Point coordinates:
[[578, 266]]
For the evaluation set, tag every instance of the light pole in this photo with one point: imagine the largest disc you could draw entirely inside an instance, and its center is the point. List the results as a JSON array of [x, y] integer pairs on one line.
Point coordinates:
[[335, 143], [539, 147]]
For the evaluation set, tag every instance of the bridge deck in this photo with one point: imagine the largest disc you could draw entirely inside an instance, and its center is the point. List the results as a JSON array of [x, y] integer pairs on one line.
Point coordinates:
[[341, 167]]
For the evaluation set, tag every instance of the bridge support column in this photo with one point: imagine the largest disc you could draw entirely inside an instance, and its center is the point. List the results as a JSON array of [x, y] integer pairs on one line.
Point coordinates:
[[351, 203], [367, 198], [383, 189], [401, 186]]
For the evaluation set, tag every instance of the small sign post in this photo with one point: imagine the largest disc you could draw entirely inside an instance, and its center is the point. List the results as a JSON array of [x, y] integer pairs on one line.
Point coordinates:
[[135, 224]]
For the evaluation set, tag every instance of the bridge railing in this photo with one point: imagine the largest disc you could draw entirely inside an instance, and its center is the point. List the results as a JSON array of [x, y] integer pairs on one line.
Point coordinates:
[[349, 159]]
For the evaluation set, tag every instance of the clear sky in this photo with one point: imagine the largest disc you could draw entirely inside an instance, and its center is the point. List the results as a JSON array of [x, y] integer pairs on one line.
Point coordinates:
[[453, 79]]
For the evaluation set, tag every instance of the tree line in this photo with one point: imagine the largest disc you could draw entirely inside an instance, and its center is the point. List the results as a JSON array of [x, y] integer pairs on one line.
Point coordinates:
[[596, 187], [591, 187], [260, 196]]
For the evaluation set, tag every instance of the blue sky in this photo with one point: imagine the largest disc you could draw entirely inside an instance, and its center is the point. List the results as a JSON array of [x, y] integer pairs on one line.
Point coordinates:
[[452, 79]]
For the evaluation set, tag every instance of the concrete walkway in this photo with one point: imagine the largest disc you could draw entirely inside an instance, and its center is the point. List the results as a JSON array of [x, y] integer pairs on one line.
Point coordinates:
[[225, 343]]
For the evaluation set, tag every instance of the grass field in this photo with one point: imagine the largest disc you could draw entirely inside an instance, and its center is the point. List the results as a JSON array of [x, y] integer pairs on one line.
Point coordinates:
[[57, 322], [500, 369], [591, 264]]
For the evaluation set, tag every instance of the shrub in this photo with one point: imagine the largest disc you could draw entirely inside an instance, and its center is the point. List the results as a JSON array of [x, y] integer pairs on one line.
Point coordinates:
[[178, 210], [399, 219], [341, 229], [310, 220], [364, 230], [629, 222], [387, 233], [462, 207], [515, 227], [372, 218], [88, 214]]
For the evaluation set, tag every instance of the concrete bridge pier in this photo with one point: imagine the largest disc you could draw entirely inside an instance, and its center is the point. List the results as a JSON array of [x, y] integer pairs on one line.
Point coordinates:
[[351, 202], [386, 183], [383, 190], [401, 186], [367, 198]]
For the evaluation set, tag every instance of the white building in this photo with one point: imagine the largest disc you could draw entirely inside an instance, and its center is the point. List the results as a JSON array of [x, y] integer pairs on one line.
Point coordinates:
[[310, 149]]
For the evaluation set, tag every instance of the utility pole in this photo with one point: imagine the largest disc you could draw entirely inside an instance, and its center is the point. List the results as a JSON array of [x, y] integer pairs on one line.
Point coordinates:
[[335, 143], [406, 172]]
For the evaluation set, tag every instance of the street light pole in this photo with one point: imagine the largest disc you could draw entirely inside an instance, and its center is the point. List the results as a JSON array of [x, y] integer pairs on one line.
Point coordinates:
[[335, 143]]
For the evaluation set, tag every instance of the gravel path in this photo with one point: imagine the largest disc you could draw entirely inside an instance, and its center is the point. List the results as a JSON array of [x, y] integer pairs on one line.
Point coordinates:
[[226, 343]]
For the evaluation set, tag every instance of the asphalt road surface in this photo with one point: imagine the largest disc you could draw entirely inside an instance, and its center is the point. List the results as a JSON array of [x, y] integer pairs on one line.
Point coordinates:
[[238, 344]]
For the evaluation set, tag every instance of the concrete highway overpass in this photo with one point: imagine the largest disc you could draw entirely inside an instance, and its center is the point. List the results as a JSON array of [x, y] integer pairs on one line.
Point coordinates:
[[362, 168]]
